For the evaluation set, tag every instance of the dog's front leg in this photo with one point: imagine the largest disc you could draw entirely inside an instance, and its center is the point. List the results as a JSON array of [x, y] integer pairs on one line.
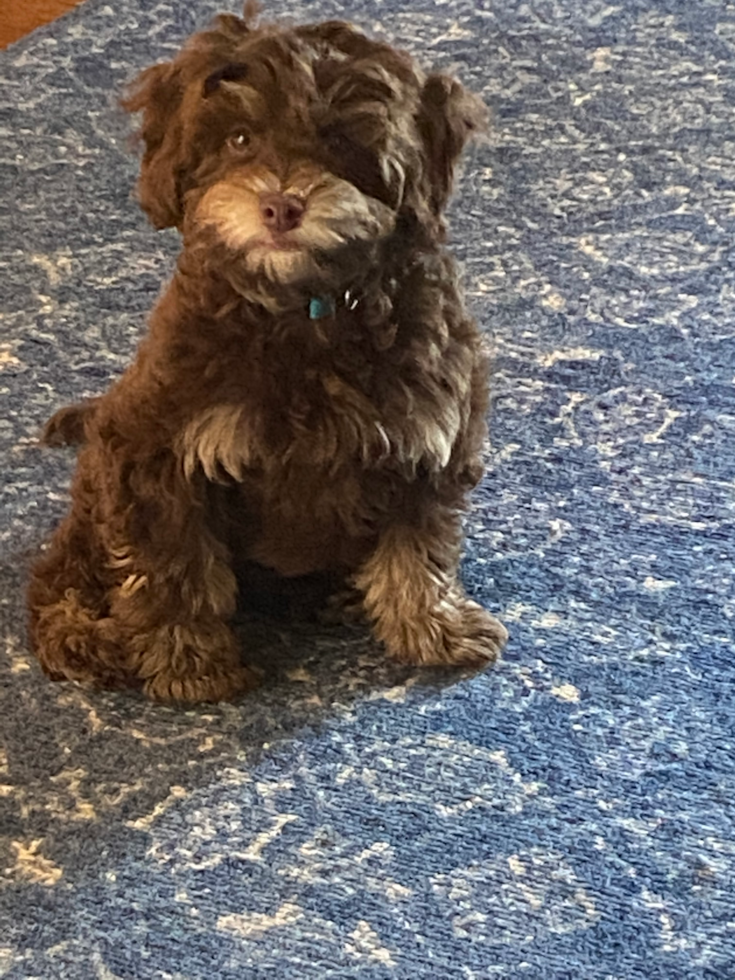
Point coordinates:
[[176, 595], [418, 608]]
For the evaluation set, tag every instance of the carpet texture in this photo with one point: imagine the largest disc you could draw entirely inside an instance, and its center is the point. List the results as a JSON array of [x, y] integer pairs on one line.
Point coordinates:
[[568, 814]]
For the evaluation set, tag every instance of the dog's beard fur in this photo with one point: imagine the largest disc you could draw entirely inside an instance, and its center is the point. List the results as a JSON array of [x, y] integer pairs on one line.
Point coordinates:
[[341, 227]]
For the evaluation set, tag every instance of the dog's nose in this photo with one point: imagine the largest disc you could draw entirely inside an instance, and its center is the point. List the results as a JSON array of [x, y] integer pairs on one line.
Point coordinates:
[[281, 212]]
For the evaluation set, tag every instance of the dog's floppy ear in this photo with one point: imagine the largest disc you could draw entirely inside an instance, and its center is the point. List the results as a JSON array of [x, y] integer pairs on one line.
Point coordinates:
[[158, 92], [449, 115]]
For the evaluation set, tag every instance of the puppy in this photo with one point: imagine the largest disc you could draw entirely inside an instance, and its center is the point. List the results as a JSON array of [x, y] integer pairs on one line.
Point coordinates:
[[311, 394]]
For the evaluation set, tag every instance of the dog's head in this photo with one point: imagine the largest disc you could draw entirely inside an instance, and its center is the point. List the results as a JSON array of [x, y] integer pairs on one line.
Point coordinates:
[[287, 150]]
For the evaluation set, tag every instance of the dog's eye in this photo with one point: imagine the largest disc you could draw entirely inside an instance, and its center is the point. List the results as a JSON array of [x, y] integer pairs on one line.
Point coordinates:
[[239, 141], [336, 141], [339, 143]]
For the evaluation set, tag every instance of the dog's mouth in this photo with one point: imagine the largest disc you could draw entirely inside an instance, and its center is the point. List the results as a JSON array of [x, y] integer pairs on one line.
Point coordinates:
[[277, 243]]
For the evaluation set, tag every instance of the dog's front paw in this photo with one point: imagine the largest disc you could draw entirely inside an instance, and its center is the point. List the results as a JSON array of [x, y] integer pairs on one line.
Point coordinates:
[[476, 640], [214, 686], [458, 632], [194, 662]]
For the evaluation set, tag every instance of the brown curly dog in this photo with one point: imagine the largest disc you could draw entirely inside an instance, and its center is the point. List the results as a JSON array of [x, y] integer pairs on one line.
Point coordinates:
[[311, 394]]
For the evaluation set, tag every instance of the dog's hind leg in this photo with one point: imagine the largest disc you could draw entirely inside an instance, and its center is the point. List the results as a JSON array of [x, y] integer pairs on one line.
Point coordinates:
[[71, 630], [135, 589]]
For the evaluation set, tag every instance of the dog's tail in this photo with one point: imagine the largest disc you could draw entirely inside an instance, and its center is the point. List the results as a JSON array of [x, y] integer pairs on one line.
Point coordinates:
[[67, 427]]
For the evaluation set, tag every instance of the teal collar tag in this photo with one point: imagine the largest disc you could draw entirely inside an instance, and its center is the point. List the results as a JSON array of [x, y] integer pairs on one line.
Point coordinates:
[[321, 306]]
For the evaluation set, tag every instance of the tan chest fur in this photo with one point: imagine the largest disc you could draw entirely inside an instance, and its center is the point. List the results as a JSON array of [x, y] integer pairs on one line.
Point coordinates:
[[227, 440]]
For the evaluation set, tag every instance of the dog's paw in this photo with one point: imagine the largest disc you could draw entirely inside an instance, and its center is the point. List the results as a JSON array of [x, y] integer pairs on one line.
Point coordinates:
[[198, 661], [214, 686], [476, 640], [458, 633]]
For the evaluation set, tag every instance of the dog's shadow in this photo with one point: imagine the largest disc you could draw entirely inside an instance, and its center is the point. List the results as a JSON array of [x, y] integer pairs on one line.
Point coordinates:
[[313, 670], [315, 664], [115, 753]]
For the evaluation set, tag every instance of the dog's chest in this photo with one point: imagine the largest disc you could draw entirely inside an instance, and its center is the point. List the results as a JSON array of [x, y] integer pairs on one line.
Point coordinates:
[[325, 425]]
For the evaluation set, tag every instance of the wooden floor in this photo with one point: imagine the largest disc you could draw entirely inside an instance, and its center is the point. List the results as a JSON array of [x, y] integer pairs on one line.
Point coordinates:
[[19, 17]]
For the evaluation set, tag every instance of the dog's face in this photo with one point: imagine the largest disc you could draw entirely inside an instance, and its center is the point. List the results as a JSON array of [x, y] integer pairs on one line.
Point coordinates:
[[293, 153]]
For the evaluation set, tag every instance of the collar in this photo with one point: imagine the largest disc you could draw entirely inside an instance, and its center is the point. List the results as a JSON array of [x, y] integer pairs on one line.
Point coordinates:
[[324, 306], [321, 306]]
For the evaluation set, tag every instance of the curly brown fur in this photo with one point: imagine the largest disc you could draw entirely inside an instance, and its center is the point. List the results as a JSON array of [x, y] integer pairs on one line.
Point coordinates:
[[300, 164]]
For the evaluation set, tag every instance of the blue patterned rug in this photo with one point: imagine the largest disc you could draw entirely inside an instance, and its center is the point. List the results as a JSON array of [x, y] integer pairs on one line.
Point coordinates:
[[569, 814]]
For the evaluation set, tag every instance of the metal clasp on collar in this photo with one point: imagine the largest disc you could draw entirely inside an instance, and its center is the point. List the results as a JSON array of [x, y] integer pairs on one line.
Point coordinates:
[[323, 306]]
